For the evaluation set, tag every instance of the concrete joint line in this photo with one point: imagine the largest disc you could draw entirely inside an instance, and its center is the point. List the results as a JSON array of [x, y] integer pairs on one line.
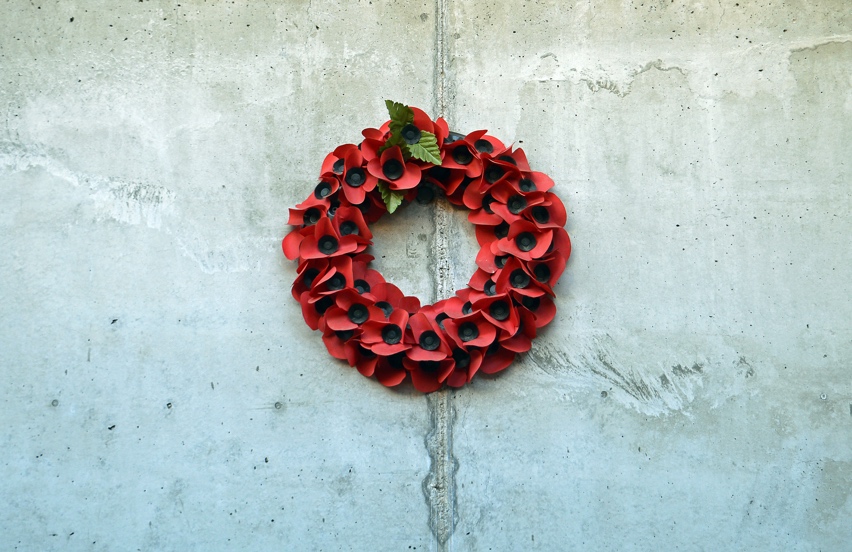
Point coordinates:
[[439, 486]]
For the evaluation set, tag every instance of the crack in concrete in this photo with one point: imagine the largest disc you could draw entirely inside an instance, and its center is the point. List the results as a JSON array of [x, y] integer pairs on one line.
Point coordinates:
[[439, 486]]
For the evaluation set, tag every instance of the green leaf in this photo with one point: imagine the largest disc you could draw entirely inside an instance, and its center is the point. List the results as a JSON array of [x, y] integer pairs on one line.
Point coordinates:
[[394, 140], [392, 199], [426, 149], [399, 113]]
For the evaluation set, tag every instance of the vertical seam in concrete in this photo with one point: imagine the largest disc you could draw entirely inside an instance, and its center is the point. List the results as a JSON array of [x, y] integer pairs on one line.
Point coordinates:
[[439, 485]]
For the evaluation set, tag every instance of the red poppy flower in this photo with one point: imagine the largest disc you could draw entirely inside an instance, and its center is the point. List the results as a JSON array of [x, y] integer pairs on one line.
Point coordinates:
[[521, 340], [542, 308], [428, 339], [324, 194], [500, 311], [338, 342], [307, 216], [351, 311], [461, 155], [390, 370], [349, 221], [314, 308], [364, 360], [525, 240], [428, 375], [490, 262], [496, 358], [514, 277], [336, 278], [364, 277], [465, 366], [561, 244], [388, 297], [392, 168], [324, 241], [550, 213], [473, 330], [333, 162], [448, 180], [532, 181], [357, 182], [547, 270], [307, 273], [386, 336]]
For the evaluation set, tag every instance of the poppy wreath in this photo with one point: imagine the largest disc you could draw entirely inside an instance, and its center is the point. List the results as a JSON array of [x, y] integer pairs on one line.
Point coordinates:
[[369, 322]]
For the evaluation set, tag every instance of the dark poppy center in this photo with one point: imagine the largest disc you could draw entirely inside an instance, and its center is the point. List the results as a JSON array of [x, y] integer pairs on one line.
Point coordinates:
[[462, 155], [483, 146], [393, 169], [309, 275], [336, 282], [429, 366], [525, 241], [425, 194], [542, 273], [323, 305], [358, 313], [499, 310], [531, 303], [311, 216], [468, 332], [386, 307], [355, 177], [540, 214], [501, 230], [361, 286], [508, 159], [486, 204], [490, 288], [462, 358], [348, 227], [527, 185], [322, 190], [519, 279], [467, 308], [500, 260], [411, 134], [337, 168], [429, 340], [328, 245], [516, 204], [440, 319], [345, 335], [391, 334], [441, 174], [494, 173]]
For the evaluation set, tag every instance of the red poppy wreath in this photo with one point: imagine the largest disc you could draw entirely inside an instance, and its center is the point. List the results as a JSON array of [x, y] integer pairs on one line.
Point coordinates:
[[369, 322]]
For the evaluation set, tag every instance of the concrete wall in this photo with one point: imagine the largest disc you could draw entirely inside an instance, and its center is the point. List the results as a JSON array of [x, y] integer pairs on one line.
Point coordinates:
[[161, 391]]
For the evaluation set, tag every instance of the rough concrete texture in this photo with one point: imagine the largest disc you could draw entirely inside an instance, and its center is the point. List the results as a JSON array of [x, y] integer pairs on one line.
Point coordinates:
[[161, 391]]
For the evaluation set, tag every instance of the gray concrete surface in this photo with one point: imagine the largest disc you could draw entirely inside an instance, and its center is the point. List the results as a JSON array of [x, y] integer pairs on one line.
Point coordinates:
[[161, 391]]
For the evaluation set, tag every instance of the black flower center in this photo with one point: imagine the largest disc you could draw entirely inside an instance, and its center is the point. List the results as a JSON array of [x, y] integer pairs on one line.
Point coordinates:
[[411, 134], [490, 288], [311, 216], [440, 319], [425, 194], [540, 214], [519, 279], [355, 177], [309, 275], [345, 335], [499, 310], [531, 303], [429, 366], [328, 245], [391, 334], [336, 282], [322, 190], [483, 146], [386, 307], [527, 185], [542, 273], [517, 204], [462, 155], [462, 358], [486, 204], [393, 169], [358, 313], [337, 168], [467, 308], [441, 174], [525, 241], [361, 286], [508, 159], [468, 332], [429, 340], [494, 173], [501, 230], [348, 227], [323, 304], [500, 260]]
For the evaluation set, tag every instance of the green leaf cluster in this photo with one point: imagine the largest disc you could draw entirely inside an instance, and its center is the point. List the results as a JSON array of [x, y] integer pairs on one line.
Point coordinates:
[[426, 149]]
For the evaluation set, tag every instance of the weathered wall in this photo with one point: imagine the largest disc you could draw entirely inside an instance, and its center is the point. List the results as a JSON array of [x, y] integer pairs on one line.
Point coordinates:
[[162, 392]]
